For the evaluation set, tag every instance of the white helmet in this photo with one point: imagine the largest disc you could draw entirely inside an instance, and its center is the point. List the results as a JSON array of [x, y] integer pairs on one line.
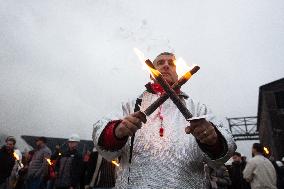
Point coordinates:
[[74, 138], [282, 159]]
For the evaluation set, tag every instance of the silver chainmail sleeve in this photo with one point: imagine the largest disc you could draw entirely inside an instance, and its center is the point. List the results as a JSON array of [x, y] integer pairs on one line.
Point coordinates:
[[175, 160]]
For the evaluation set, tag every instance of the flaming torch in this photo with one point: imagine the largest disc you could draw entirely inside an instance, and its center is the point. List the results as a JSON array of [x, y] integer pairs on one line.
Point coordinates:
[[17, 158], [115, 163], [173, 96], [185, 77], [48, 161]]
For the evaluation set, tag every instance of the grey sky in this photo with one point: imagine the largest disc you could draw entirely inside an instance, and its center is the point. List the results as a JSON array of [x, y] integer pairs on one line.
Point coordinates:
[[64, 64]]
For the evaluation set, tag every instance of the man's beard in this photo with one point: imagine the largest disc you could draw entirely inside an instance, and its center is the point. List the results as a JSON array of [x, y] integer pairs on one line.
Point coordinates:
[[252, 154]]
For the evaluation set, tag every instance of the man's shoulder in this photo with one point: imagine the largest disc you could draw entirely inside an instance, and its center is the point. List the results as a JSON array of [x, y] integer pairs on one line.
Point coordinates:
[[46, 149], [256, 159]]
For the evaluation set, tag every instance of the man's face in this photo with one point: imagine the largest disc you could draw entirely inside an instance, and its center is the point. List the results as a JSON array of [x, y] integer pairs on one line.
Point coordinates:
[[166, 65], [72, 145], [10, 145], [39, 143], [253, 151], [236, 158]]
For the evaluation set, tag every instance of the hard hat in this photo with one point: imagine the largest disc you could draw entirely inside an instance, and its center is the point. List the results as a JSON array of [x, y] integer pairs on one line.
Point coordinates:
[[74, 138]]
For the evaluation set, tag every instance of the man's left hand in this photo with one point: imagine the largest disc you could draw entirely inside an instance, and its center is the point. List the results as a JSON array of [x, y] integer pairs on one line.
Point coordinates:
[[203, 131]]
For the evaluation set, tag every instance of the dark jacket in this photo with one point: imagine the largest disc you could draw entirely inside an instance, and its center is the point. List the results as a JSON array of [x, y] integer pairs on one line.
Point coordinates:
[[236, 175], [7, 162], [223, 178], [106, 172], [69, 169], [38, 167]]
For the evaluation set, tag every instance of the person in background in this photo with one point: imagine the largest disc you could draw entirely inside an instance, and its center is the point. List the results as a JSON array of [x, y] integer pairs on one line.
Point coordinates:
[[69, 166], [7, 161], [51, 176], [236, 172], [219, 178], [99, 173], [24, 170], [38, 167], [259, 171]]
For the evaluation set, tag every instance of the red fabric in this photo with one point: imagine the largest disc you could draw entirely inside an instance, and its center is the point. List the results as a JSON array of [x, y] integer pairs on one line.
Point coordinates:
[[109, 140], [158, 89]]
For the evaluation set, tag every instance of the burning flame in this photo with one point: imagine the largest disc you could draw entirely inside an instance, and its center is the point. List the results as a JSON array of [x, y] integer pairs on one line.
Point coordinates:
[[16, 156], [266, 151], [182, 68], [115, 163], [142, 59], [48, 161]]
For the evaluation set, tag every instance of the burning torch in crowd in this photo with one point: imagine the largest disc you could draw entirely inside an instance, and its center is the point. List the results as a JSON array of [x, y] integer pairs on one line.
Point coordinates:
[[17, 158]]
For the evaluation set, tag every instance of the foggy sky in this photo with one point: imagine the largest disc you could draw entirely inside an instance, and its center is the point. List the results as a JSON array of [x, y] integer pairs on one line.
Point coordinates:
[[65, 64]]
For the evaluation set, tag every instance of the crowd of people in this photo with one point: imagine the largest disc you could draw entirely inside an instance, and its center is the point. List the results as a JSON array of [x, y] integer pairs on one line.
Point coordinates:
[[259, 172], [62, 169], [42, 169]]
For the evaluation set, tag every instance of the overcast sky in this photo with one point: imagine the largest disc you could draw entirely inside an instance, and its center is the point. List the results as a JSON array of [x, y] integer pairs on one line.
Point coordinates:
[[65, 64]]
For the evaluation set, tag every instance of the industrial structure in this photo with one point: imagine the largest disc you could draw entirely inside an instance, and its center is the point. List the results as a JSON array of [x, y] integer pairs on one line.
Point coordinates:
[[270, 118], [268, 126]]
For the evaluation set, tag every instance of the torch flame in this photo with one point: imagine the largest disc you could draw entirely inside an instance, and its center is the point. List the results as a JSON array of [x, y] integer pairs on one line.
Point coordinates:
[[115, 163], [182, 68], [48, 161], [16, 156], [139, 54], [266, 151], [142, 59]]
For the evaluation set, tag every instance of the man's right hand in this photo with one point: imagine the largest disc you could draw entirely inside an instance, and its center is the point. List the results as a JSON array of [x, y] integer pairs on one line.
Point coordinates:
[[129, 125]]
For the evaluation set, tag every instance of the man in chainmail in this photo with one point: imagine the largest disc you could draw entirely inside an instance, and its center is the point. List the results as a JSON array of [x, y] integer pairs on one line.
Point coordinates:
[[167, 151]]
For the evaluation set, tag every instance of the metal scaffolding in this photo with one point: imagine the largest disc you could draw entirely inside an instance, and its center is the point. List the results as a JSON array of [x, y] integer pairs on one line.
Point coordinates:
[[244, 128]]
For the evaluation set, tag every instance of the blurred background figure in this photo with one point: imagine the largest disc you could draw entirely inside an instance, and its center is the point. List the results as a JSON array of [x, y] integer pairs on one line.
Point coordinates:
[[218, 178], [259, 171], [69, 166], [7, 161], [99, 173], [22, 173], [236, 172], [38, 167], [52, 176]]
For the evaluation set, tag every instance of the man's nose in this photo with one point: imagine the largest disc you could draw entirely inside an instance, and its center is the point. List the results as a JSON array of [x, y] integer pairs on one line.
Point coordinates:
[[166, 65]]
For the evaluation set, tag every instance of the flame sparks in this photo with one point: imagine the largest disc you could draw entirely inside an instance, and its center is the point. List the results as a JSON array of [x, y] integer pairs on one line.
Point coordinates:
[[16, 156], [115, 163], [48, 161]]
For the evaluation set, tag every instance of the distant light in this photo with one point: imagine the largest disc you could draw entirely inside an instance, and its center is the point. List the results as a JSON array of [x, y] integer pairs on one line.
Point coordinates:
[[266, 151]]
